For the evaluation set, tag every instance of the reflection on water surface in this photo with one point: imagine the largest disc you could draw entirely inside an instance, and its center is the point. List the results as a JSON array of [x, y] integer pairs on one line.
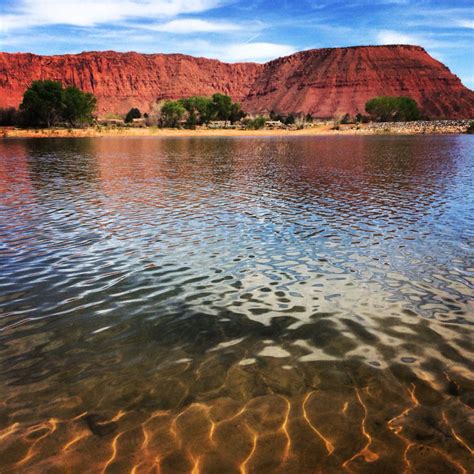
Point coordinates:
[[236, 305]]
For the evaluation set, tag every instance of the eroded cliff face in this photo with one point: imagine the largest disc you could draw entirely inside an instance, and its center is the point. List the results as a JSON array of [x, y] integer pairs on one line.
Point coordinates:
[[324, 82], [332, 82], [124, 80]]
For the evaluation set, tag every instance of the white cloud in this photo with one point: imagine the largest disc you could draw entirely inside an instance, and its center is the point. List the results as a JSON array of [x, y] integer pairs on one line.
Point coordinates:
[[428, 40], [28, 13], [194, 25], [258, 52], [394, 37], [469, 24], [236, 52], [438, 18]]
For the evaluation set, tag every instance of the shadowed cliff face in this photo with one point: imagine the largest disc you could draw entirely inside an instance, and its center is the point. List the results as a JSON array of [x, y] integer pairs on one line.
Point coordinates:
[[324, 82]]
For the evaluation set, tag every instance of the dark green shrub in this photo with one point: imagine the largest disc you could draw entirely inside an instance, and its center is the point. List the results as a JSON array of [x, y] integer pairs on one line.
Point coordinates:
[[359, 118], [236, 113], [199, 107], [346, 119], [133, 113], [8, 117], [222, 106], [257, 123], [191, 122], [201, 110], [392, 109]]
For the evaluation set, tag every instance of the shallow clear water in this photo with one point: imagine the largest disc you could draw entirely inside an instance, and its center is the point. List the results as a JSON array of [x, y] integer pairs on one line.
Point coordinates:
[[237, 305]]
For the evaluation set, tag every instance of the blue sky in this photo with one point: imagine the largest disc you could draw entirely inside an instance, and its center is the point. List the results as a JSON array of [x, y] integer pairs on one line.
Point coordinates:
[[234, 30]]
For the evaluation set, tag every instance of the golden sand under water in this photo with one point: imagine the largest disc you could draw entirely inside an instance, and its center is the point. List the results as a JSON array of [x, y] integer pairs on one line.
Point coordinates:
[[335, 427]]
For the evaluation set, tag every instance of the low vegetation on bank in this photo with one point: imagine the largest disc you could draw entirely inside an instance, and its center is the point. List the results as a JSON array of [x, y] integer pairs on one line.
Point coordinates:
[[393, 109], [48, 104]]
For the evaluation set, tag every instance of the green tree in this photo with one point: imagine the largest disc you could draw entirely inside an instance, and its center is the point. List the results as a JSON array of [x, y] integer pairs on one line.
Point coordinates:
[[392, 109], [192, 120], [236, 113], [198, 108], [204, 110], [171, 113], [77, 106], [133, 113], [42, 103], [222, 106], [46, 103]]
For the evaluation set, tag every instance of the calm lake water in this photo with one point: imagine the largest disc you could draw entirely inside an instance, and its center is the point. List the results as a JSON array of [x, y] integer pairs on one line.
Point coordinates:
[[237, 305]]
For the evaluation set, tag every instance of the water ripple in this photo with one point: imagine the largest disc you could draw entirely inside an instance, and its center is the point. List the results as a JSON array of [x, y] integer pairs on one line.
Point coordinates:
[[236, 305]]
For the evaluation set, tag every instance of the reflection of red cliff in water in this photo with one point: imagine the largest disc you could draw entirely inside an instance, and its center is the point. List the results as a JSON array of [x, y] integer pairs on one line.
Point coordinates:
[[14, 172], [324, 82]]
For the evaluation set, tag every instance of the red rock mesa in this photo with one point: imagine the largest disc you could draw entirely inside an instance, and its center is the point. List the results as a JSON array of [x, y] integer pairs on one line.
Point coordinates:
[[322, 82]]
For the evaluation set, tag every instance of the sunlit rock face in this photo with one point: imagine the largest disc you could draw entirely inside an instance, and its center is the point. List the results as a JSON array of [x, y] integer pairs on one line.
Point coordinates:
[[322, 82], [124, 80], [336, 81]]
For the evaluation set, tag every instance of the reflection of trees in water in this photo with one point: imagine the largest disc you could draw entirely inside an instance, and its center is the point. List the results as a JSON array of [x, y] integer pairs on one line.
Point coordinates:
[[183, 159], [58, 164]]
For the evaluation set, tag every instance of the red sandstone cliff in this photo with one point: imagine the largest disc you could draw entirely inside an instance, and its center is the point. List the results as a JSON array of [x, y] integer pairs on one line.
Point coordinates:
[[324, 82], [124, 80], [332, 82]]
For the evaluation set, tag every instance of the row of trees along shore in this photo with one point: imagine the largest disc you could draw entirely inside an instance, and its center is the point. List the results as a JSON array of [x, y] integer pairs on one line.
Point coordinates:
[[47, 103], [201, 110]]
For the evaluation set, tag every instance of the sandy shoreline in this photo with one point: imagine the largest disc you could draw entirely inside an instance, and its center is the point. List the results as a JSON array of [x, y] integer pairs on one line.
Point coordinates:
[[408, 128], [152, 132]]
